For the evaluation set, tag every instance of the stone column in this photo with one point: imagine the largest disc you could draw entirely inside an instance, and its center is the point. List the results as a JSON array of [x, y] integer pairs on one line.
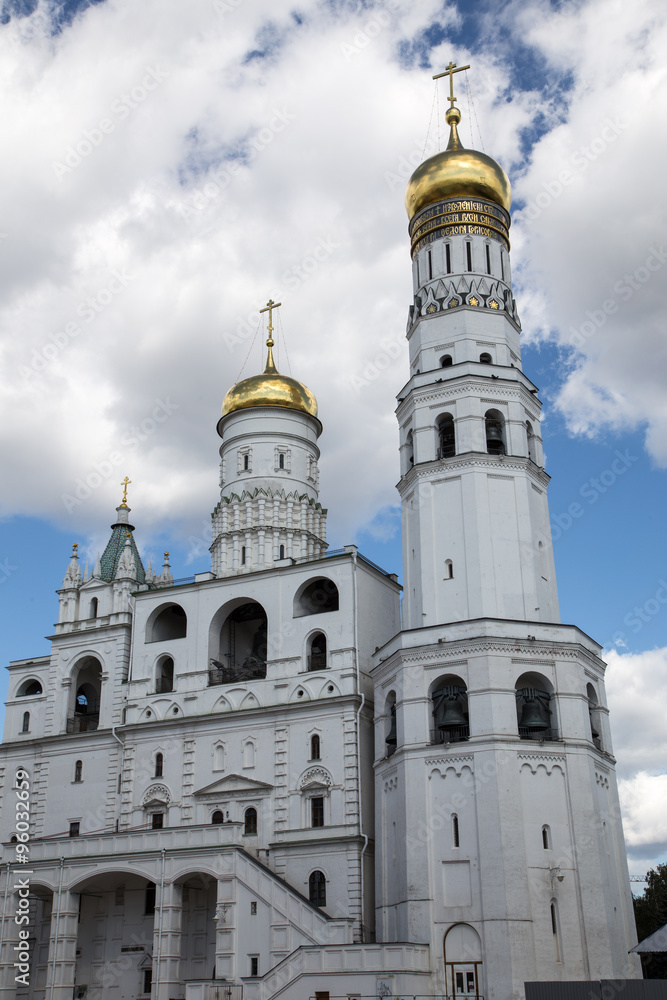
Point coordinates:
[[167, 942], [225, 935], [61, 966]]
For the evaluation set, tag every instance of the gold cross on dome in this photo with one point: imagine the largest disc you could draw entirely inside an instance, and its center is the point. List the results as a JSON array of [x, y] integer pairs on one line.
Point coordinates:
[[269, 307], [125, 483], [449, 71]]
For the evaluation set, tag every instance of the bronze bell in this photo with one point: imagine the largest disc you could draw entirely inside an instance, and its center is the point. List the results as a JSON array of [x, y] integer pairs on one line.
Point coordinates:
[[453, 715], [391, 735], [494, 432], [533, 715]]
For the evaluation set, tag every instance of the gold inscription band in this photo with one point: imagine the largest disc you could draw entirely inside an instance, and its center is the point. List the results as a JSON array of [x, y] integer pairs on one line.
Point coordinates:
[[456, 217]]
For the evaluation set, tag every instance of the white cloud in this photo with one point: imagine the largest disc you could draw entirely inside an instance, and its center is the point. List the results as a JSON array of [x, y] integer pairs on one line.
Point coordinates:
[[637, 693]]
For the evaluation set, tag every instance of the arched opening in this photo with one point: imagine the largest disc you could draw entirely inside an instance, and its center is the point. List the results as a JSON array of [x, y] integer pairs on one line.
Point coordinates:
[[316, 597], [159, 765], [530, 440], [87, 689], [317, 889], [446, 361], [485, 358], [317, 651], [495, 432], [217, 817], [281, 552], [555, 929], [410, 450], [391, 730], [249, 753], [196, 893], [243, 555], [455, 831], [594, 716], [315, 747], [92, 610], [546, 837], [169, 623], [25, 728], [463, 961], [165, 676], [449, 569], [535, 717], [250, 822], [78, 771], [449, 701], [281, 460], [446, 447], [241, 646], [246, 462], [29, 689]]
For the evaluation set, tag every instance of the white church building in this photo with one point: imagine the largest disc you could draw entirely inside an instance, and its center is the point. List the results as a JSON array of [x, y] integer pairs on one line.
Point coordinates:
[[277, 779]]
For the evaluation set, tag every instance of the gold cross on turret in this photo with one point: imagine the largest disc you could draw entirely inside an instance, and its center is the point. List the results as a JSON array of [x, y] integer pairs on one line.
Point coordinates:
[[450, 71], [125, 483], [269, 307]]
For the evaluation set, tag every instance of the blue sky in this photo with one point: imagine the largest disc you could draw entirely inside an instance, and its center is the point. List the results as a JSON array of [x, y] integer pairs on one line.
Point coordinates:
[[212, 149]]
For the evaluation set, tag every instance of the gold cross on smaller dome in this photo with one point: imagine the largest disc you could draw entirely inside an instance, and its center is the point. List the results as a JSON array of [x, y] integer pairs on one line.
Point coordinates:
[[125, 483], [269, 307], [449, 71]]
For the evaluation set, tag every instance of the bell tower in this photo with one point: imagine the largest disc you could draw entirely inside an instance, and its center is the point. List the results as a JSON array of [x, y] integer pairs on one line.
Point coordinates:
[[496, 802]]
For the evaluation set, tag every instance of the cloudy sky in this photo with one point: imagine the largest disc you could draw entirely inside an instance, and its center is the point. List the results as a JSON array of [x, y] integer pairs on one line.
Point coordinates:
[[168, 167]]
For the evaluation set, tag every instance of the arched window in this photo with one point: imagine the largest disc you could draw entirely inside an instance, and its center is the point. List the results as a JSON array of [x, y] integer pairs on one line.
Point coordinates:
[[449, 697], [246, 462], [448, 258], [243, 555], [250, 822], [495, 432], [238, 645], [446, 447], [281, 460], [485, 358], [530, 440], [165, 676], [26, 722], [469, 256], [555, 930], [170, 623], [546, 838], [534, 711], [159, 765], [281, 552], [446, 361], [449, 569], [92, 613], [391, 732], [317, 889], [594, 716], [78, 771], [315, 747], [29, 689], [410, 450], [455, 830], [317, 596], [217, 817], [219, 757], [488, 258], [317, 652]]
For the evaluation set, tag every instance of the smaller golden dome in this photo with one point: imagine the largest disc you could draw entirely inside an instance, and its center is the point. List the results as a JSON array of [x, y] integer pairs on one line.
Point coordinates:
[[270, 389], [457, 173]]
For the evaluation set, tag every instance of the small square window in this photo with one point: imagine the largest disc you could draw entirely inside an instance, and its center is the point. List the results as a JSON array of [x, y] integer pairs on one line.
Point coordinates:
[[253, 908], [74, 829]]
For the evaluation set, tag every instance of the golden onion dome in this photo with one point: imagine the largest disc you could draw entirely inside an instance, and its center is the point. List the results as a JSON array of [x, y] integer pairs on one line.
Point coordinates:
[[457, 173], [270, 389]]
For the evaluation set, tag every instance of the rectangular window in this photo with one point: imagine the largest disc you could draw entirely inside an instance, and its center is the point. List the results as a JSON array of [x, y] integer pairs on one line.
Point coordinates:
[[488, 259], [469, 256], [281, 460], [253, 909], [157, 821], [502, 265], [149, 899], [317, 811], [254, 965], [148, 980], [430, 264], [448, 258], [74, 829]]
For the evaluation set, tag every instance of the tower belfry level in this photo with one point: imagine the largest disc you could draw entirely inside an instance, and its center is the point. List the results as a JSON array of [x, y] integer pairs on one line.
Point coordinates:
[[258, 783]]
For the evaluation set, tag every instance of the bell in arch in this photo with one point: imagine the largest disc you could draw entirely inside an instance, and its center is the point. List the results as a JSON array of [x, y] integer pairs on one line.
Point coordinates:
[[453, 712], [391, 735], [534, 712], [494, 437]]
